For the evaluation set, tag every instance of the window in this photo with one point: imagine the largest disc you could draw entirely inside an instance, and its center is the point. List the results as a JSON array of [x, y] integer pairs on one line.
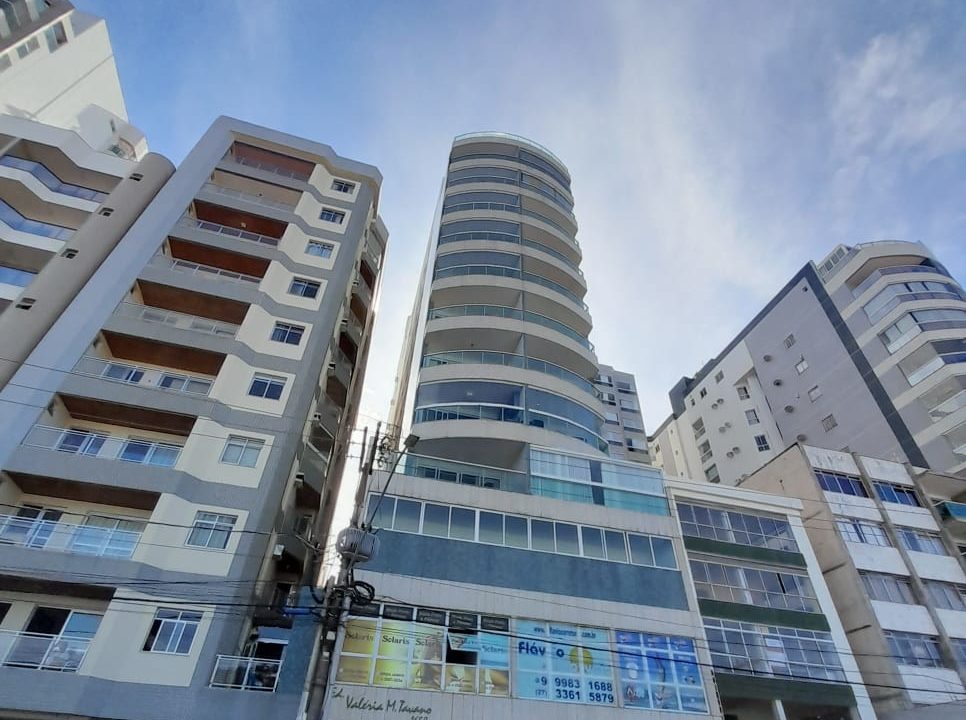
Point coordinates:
[[921, 541], [898, 494], [705, 450], [55, 36], [789, 341], [628, 405], [742, 392], [712, 474], [24, 49], [333, 216], [865, 533], [605, 380], [908, 326], [612, 418], [704, 392], [888, 588], [719, 376], [303, 288], [211, 530], [753, 586], [267, 386], [946, 595], [343, 186], [959, 649], [752, 417], [914, 649], [829, 422], [770, 650], [801, 366], [698, 428], [762, 442], [319, 249], [287, 333], [814, 393], [609, 398], [172, 631], [736, 527], [183, 383], [838, 483], [241, 451]]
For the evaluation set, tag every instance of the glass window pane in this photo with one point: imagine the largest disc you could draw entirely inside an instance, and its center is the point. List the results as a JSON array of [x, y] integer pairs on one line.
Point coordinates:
[[640, 549], [663, 553], [516, 532], [407, 516], [593, 542], [382, 517], [567, 539], [616, 549], [541, 533], [436, 520], [462, 524], [491, 528]]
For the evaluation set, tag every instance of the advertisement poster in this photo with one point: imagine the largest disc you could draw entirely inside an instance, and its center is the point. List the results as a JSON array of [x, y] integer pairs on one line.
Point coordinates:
[[659, 672], [427, 665], [563, 663]]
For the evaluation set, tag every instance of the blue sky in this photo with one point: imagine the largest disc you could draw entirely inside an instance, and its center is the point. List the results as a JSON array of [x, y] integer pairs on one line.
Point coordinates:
[[715, 147]]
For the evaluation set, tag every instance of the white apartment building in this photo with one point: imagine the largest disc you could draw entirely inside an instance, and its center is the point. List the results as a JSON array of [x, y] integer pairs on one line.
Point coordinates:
[[623, 415]]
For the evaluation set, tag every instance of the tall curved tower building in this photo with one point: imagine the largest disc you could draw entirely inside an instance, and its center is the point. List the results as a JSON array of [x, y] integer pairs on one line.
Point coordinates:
[[500, 357]]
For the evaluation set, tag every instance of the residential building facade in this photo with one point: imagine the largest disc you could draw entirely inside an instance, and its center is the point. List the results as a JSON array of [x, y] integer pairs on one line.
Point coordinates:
[[521, 571], [171, 446], [889, 539], [863, 351], [57, 68], [623, 418]]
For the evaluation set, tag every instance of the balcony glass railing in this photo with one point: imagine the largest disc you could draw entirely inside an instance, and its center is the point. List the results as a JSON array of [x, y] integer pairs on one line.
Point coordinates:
[[267, 167], [102, 537], [506, 237], [505, 207], [32, 227], [13, 276], [954, 510], [511, 414], [488, 357], [245, 673], [102, 445], [137, 375], [465, 474], [510, 272], [512, 313], [42, 652], [894, 270], [211, 271], [51, 181], [490, 175], [249, 197], [176, 319], [229, 231]]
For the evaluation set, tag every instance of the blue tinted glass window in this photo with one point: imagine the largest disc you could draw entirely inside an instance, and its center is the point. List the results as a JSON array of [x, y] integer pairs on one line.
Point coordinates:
[[478, 258], [468, 392]]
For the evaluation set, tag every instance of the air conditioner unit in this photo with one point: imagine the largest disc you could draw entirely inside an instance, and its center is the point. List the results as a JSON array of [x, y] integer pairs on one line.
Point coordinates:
[[766, 358], [332, 365], [730, 454], [736, 449], [345, 322], [317, 417], [355, 283], [277, 551], [299, 479], [720, 401]]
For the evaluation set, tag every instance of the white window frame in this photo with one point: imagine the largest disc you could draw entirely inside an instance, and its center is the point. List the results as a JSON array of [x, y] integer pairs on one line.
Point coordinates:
[[244, 445], [205, 527], [182, 621], [336, 217]]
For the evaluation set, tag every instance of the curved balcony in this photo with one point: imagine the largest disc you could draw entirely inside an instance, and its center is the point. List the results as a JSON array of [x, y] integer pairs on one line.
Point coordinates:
[[509, 414], [20, 223], [512, 313], [505, 359], [517, 149], [508, 272], [484, 174], [876, 275]]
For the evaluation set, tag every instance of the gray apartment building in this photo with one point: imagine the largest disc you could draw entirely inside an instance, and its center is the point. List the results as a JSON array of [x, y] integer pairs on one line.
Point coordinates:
[[865, 351], [623, 419], [172, 442], [889, 539]]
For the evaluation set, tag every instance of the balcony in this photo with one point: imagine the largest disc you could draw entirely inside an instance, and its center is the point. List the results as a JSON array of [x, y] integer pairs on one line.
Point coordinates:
[[328, 417], [362, 291], [42, 652], [112, 537], [250, 197], [352, 327], [340, 367], [227, 230], [103, 445], [176, 319], [511, 313], [200, 270], [51, 181], [136, 349], [10, 217], [234, 672], [147, 377], [894, 270], [269, 161]]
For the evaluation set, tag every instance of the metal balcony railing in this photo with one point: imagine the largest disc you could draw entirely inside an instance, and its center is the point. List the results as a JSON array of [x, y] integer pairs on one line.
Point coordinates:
[[176, 319], [102, 445], [220, 229], [149, 377], [42, 652], [51, 181], [248, 197], [512, 313], [490, 357], [245, 673], [894, 270], [510, 272], [114, 537], [23, 224], [210, 270]]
